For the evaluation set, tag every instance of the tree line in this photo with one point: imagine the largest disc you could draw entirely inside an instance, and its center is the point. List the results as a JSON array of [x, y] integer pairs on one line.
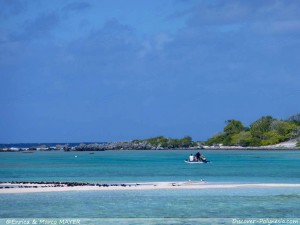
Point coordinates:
[[264, 131], [169, 143]]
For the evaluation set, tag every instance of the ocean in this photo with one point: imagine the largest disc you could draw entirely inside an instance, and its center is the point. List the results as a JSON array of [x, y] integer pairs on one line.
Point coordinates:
[[206, 206]]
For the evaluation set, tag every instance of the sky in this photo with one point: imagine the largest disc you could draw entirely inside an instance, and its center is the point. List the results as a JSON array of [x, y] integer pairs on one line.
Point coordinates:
[[113, 70]]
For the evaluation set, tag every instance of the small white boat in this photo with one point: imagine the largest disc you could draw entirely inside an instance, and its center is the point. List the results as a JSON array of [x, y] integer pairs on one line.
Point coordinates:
[[196, 159], [194, 162]]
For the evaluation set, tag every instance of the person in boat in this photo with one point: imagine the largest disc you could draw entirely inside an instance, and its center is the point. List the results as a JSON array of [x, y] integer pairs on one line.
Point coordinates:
[[198, 156], [191, 158], [203, 159]]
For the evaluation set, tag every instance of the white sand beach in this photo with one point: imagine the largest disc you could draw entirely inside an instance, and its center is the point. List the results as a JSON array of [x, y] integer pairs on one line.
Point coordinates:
[[141, 186]]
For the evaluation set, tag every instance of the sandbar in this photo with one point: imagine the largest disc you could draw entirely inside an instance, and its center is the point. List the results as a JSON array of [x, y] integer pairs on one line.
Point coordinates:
[[33, 188]]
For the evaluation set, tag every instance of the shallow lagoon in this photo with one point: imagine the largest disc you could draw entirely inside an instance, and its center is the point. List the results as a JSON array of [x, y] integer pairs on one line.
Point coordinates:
[[224, 203], [144, 166]]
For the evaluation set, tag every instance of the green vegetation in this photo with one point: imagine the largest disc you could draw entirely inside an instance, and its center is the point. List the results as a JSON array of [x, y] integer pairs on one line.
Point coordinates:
[[169, 143], [233, 127], [264, 131]]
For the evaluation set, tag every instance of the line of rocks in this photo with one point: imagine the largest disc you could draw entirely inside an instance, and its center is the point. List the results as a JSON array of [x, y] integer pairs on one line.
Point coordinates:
[[114, 146], [28, 184], [130, 145], [143, 145]]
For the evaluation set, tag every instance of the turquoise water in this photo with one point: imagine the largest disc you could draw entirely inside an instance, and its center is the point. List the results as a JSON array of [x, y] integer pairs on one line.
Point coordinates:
[[143, 166], [138, 166]]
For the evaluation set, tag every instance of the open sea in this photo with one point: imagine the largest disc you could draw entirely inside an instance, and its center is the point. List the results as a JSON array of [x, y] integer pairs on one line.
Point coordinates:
[[206, 206]]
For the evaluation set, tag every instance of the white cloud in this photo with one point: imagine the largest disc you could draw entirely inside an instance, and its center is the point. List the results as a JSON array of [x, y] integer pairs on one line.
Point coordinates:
[[155, 44]]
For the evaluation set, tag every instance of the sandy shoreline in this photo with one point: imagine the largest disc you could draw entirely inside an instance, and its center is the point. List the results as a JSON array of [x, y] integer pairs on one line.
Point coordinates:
[[34, 188]]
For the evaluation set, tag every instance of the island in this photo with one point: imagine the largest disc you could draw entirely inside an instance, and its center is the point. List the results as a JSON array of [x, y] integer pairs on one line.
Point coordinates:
[[266, 132], [263, 134]]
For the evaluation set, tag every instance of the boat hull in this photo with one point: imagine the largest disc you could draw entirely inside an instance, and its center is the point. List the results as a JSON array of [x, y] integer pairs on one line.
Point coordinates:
[[194, 162]]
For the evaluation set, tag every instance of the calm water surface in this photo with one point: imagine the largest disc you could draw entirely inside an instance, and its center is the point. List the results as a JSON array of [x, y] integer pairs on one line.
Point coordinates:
[[133, 166], [144, 166]]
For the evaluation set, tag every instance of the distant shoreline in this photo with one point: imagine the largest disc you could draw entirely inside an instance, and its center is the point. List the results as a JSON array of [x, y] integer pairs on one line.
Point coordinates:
[[159, 143], [185, 149], [175, 149]]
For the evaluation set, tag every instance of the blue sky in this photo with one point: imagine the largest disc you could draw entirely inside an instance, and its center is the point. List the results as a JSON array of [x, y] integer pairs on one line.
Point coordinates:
[[109, 70]]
